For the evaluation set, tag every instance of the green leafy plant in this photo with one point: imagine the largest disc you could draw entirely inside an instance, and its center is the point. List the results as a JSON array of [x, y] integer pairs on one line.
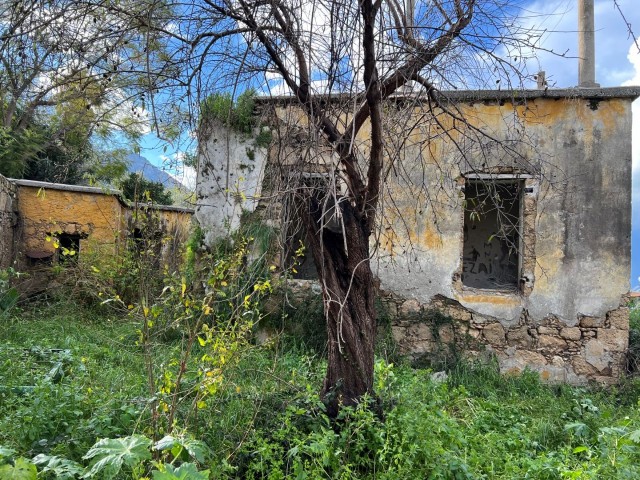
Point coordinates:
[[109, 455], [182, 446], [186, 471], [9, 295], [239, 115], [15, 468], [58, 467]]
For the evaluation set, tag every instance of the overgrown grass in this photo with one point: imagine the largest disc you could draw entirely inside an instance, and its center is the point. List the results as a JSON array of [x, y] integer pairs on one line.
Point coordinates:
[[96, 393], [633, 363], [266, 421]]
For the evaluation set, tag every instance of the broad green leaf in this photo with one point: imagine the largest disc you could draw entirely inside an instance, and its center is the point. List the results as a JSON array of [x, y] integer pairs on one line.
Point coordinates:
[[8, 299], [60, 467], [635, 436], [578, 428], [109, 455], [196, 449], [6, 452], [186, 471], [23, 469], [165, 443]]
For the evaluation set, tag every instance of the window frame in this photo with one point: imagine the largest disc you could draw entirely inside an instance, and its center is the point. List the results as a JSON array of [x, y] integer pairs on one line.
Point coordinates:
[[527, 205]]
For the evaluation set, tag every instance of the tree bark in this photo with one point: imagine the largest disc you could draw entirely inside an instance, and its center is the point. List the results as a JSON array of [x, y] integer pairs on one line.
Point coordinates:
[[348, 289]]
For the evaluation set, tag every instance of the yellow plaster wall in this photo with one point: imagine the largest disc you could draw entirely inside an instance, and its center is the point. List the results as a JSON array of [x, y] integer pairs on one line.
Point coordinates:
[[176, 228], [43, 211], [177, 224]]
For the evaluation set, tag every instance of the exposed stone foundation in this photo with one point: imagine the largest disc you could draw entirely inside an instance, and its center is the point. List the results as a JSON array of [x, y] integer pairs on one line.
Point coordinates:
[[594, 350]]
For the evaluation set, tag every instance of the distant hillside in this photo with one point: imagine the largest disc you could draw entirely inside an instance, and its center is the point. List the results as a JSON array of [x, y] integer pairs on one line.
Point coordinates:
[[139, 164]]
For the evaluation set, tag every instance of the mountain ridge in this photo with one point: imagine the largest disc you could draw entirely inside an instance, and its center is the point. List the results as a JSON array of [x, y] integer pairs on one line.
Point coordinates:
[[139, 164]]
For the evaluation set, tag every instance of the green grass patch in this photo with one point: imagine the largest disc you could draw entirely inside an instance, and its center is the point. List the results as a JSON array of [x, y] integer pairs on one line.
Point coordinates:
[[266, 420]]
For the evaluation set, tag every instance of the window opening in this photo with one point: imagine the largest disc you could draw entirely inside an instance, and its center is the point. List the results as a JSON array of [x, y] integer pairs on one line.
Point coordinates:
[[69, 247], [316, 186], [492, 241]]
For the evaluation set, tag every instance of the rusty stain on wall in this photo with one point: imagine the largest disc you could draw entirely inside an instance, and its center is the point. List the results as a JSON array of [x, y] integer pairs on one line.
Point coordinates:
[[97, 216]]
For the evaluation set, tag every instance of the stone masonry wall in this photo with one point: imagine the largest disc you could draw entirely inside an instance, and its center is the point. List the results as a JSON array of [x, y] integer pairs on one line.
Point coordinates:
[[592, 350], [8, 221]]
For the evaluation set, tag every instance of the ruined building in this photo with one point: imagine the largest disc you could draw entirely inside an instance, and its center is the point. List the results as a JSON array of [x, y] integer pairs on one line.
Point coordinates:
[[45, 224], [513, 222]]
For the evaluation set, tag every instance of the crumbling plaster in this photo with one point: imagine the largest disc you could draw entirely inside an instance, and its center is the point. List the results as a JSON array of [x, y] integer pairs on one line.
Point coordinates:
[[8, 220], [230, 170], [47, 209], [580, 151], [99, 216], [572, 150]]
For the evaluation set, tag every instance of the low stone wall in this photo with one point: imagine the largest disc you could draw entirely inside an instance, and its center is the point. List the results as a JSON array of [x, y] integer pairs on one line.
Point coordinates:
[[593, 350], [8, 221]]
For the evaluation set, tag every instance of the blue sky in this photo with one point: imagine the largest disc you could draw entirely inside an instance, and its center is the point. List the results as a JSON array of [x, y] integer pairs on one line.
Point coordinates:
[[617, 63]]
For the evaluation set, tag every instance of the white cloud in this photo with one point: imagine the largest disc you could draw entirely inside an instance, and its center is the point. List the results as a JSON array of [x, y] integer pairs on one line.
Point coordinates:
[[559, 54], [634, 59], [617, 56], [174, 165], [121, 111], [186, 176]]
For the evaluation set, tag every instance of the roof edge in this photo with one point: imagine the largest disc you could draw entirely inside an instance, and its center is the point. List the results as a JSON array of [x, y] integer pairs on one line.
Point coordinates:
[[631, 92], [96, 191], [65, 187]]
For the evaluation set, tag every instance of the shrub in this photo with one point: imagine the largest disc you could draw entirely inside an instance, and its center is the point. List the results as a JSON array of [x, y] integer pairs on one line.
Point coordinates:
[[633, 355]]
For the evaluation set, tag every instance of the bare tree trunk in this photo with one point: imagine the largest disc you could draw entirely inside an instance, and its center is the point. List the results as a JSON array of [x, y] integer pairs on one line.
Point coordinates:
[[348, 289]]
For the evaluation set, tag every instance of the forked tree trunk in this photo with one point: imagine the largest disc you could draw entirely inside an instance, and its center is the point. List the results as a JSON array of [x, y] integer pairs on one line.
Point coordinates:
[[348, 290]]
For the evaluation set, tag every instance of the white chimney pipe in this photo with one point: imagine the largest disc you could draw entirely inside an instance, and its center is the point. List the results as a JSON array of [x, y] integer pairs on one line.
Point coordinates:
[[586, 45]]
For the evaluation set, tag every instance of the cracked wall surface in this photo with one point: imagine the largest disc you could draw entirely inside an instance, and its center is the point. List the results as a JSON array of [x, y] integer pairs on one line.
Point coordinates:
[[99, 220], [8, 219], [571, 151], [568, 318], [230, 171]]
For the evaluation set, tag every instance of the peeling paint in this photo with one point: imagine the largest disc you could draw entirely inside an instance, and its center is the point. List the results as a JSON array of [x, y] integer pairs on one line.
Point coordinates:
[[574, 245]]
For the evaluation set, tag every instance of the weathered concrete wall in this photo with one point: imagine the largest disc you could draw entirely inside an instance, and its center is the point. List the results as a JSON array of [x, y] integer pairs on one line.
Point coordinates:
[[176, 226], [166, 227], [101, 219], [570, 151], [581, 155], [8, 220], [566, 319], [230, 169]]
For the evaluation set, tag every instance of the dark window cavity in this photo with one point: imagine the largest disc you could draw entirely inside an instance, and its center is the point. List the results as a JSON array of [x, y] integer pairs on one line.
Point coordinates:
[[69, 247], [492, 240]]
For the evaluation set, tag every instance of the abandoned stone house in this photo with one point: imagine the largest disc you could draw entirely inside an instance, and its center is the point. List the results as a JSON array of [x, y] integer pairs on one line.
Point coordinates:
[[40, 222], [539, 278]]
